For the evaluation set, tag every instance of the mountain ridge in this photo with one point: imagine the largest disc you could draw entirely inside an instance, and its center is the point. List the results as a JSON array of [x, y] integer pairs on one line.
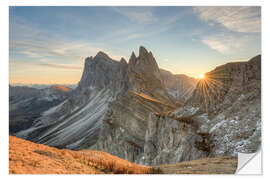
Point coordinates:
[[126, 109]]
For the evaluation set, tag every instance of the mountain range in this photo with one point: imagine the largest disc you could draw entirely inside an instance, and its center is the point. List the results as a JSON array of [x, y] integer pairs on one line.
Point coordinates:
[[27, 103], [139, 112]]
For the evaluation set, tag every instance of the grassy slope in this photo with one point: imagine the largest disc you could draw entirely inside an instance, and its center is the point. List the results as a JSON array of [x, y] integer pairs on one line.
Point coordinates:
[[220, 165], [26, 157], [29, 158]]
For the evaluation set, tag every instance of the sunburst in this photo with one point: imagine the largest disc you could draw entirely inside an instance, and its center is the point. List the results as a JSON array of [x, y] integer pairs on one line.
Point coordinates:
[[201, 76]]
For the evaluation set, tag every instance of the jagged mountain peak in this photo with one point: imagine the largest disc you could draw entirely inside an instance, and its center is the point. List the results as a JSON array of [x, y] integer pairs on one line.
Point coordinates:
[[145, 62], [132, 60], [102, 54], [89, 58], [123, 61], [142, 51], [144, 76]]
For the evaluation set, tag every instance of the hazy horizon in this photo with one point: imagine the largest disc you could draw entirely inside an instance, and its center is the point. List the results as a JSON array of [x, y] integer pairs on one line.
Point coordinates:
[[48, 45]]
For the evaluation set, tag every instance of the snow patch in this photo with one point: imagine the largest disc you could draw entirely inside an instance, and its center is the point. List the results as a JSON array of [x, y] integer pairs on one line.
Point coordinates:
[[217, 126]]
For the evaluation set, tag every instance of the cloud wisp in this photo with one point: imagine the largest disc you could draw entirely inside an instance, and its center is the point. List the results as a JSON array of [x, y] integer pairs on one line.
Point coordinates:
[[36, 43], [138, 14], [238, 19], [60, 66], [230, 44]]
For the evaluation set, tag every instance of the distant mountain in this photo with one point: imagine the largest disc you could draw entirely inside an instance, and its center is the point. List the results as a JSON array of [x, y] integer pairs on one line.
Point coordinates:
[[179, 86], [43, 86], [61, 88], [26, 104], [149, 116]]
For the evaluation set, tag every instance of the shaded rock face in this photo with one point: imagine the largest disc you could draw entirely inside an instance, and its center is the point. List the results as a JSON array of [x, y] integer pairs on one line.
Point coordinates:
[[170, 140], [179, 86], [103, 72]]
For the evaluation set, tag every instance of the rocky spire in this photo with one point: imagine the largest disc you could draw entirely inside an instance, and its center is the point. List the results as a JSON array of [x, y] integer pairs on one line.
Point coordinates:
[[123, 61], [142, 51], [144, 64], [102, 55], [144, 75], [132, 60]]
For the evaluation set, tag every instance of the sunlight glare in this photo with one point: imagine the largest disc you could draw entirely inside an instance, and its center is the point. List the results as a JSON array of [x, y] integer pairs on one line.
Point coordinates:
[[201, 76]]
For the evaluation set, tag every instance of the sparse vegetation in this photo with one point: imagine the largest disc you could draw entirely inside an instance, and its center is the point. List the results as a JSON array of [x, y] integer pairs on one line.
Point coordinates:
[[219, 165]]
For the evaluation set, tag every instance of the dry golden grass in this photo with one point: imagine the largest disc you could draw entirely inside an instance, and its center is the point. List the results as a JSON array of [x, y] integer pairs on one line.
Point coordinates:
[[26, 157], [219, 165], [29, 158]]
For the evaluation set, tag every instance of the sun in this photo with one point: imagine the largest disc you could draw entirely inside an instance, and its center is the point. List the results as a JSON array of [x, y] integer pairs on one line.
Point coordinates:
[[201, 76]]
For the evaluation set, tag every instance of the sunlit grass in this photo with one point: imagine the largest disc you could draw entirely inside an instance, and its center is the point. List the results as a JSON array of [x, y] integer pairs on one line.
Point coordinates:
[[26, 157]]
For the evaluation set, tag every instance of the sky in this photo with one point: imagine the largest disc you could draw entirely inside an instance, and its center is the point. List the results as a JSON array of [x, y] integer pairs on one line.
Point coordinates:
[[48, 45]]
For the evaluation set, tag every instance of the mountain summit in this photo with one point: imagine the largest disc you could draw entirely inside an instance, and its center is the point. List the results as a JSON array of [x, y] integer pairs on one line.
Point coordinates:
[[144, 76]]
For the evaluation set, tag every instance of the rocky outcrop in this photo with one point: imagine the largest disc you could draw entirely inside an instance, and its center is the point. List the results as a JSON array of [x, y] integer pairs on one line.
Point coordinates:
[[170, 140]]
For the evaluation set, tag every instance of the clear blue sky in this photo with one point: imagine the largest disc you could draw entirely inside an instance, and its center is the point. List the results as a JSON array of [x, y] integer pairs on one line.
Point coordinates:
[[49, 44]]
